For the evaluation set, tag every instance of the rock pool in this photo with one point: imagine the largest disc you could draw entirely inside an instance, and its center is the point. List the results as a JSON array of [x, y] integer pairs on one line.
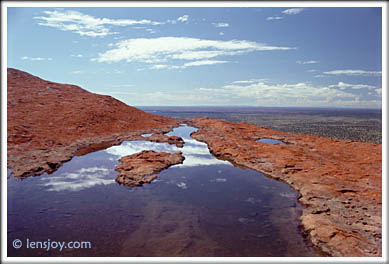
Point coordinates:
[[270, 141], [203, 207]]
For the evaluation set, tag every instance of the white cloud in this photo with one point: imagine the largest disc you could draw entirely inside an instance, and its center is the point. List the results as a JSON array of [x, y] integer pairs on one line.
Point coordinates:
[[77, 72], [76, 55], [203, 62], [159, 50], [197, 55], [221, 25], [378, 91], [160, 66], [86, 25], [274, 18], [188, 64], [261, 93], [311, 70], [183, 18], [249, 81], [343, 86], [221, 33], [296, 91], [35, 58], [308, 62], [319, 76], [297, 94], [80, 23], [185, 97], [292, 11], [354, 72]]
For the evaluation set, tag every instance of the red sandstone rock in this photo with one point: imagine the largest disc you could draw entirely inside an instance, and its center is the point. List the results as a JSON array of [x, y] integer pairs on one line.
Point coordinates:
[[137, 169], [49, 122], [161, 138], [339, 182]]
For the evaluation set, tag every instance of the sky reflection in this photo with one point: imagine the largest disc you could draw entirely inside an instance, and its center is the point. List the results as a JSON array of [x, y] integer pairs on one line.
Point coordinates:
[[196, 153], [78, 180], [270, 141]]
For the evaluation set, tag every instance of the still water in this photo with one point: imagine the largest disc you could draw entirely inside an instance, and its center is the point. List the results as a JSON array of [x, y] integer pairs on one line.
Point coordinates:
[[270, 141], [203, 207]]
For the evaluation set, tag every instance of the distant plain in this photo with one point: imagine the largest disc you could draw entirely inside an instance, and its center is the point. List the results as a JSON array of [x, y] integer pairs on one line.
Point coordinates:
[[341, 124]]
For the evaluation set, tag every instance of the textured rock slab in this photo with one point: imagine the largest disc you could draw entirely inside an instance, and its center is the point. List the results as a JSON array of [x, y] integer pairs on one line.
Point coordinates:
[[339, 182], [161, 138], [138, 169]]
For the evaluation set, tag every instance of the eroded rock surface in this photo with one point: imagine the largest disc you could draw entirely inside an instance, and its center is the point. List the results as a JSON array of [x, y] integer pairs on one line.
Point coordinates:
[[48, 123], [138, 169], [339, 182], [161, 138]]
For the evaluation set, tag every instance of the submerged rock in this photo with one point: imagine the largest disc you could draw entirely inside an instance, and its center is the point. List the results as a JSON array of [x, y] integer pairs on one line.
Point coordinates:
[[339, 182], [138, 169]]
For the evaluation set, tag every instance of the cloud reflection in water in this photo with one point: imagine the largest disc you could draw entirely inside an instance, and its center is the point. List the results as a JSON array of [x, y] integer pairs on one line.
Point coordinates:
[[78, 180], [196, 153]]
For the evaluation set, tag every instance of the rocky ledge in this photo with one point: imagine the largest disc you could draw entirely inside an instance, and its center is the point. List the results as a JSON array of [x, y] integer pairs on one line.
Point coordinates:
[[138, 169], [161, 138], [48, 123], [339, 182]]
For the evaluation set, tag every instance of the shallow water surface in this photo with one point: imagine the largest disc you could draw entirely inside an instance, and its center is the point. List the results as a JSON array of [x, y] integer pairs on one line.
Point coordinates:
[[270, 141], [203, 207]]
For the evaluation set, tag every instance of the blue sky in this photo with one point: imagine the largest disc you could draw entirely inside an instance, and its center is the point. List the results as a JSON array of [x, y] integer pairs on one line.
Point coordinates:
[[252, 56]]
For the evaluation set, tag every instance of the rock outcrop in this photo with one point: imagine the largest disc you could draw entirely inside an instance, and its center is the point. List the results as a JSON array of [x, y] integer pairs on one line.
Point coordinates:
[[139, 168], [339, 182], [48, 122], [161, 138]]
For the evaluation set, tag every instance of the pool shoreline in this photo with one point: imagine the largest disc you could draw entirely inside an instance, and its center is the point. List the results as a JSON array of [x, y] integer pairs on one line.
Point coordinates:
[[277, 208], [25, 163], [315, 221], [311, 165]]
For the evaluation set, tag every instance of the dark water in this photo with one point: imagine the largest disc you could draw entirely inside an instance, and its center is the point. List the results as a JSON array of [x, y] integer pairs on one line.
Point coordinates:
[[270, 141], [203, 207]]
